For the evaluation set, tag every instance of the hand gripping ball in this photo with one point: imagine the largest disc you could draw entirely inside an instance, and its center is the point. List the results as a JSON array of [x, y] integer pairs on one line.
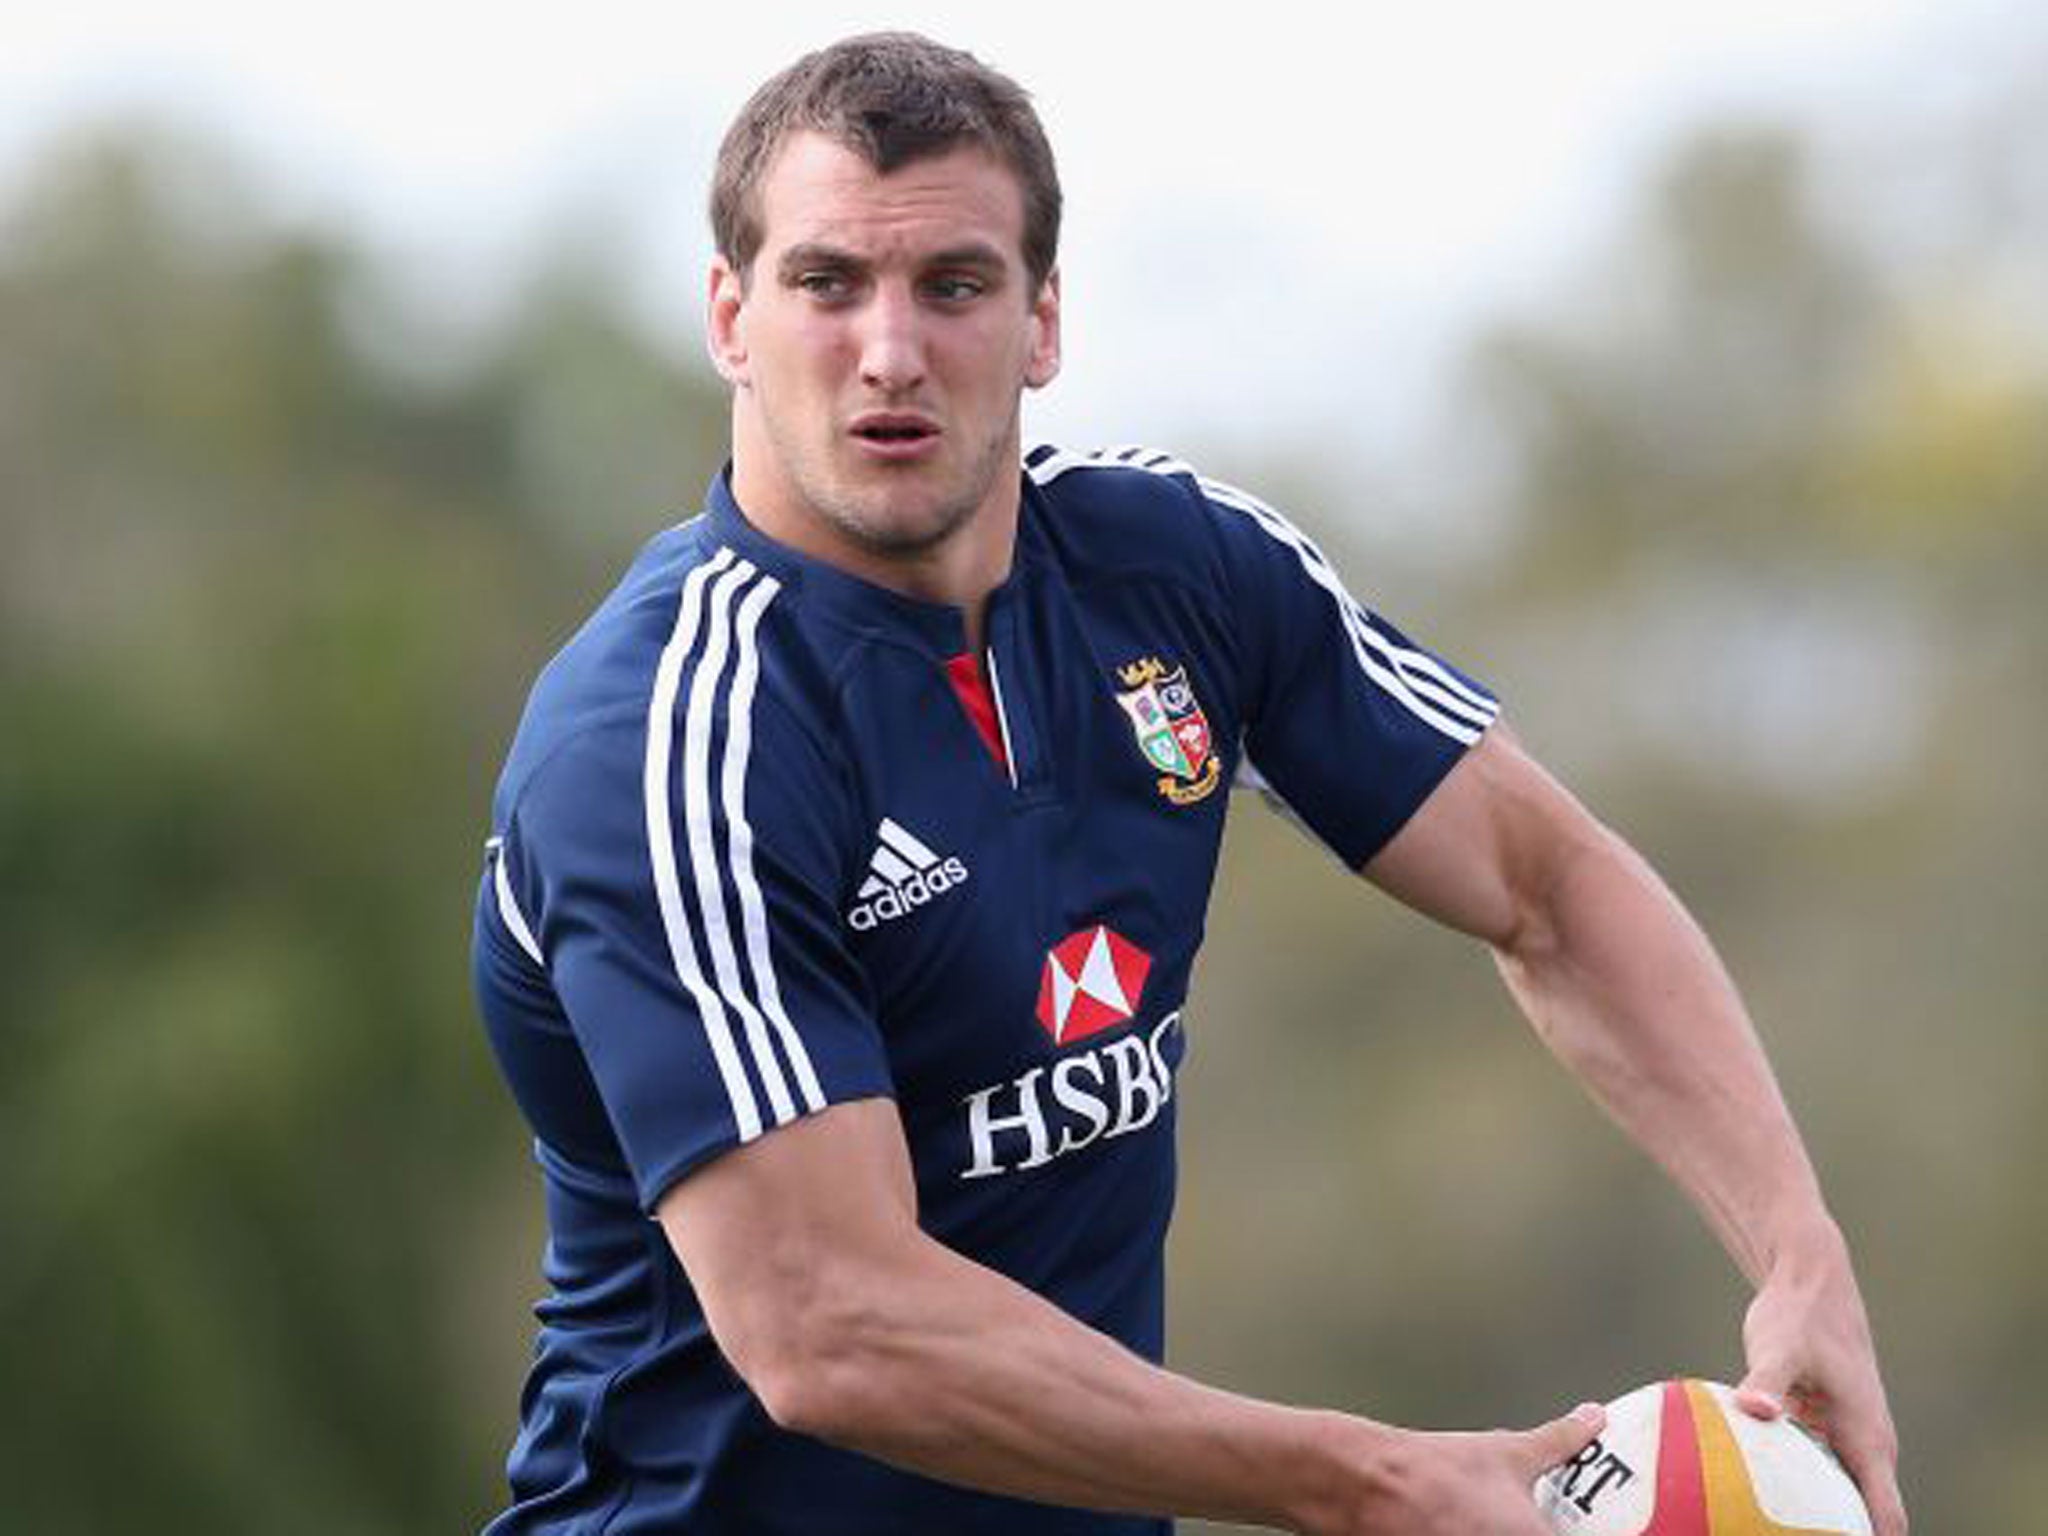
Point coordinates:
[[1678, 1458]]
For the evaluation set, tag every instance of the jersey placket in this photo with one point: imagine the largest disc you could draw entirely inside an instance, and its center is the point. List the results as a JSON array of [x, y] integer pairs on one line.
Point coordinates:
[[1015, 689]]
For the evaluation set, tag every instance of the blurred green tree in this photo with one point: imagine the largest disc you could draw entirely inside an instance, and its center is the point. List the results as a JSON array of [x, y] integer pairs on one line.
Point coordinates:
[[266, 610]]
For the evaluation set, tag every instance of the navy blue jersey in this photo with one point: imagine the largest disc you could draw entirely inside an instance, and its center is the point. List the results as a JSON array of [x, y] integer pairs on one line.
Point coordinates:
[[753, 854]]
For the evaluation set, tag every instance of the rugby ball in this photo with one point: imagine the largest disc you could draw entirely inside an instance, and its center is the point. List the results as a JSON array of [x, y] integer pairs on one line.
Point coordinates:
[[1678, 1458]]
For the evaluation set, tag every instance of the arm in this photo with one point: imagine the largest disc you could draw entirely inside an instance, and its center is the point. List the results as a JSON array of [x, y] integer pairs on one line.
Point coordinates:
[[1626, 991], [853, 1326]]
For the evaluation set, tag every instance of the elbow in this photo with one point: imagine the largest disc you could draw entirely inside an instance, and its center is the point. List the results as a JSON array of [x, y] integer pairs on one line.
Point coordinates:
[[1532, 937], [795, 1403], [1558, 898], [813, 1376], [806, 1398], [1529, 937]]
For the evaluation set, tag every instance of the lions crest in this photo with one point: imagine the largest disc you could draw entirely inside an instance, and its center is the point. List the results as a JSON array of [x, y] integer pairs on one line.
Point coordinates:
[[1171, 730]]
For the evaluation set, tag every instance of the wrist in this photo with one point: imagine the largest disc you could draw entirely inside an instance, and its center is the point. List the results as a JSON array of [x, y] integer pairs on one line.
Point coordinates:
[[1804, 1244], [1345, 1465]]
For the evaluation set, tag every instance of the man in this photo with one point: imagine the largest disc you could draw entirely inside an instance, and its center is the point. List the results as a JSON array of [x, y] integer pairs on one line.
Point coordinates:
[[845, 880]]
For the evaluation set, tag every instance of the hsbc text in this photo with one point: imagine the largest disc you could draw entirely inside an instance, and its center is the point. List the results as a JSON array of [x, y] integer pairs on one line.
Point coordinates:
[[1080, 1099]]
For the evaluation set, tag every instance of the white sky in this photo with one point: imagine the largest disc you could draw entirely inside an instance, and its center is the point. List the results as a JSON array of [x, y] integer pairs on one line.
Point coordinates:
[[1279, 226]]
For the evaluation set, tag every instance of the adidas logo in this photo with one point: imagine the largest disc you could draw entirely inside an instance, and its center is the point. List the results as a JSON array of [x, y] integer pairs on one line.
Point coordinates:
[[905, 874]]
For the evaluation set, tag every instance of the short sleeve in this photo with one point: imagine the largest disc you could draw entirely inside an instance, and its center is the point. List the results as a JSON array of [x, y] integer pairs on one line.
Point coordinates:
[[1348, 722], [683, 878]]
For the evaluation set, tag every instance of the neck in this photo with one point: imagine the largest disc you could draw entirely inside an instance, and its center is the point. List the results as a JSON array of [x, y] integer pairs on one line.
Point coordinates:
[[959, 570]]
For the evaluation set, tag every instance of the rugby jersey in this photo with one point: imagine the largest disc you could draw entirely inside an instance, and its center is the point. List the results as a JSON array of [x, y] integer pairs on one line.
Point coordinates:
[[753, 854]]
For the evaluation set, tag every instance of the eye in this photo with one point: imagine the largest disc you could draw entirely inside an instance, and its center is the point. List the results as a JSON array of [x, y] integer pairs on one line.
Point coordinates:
[[823, 283], [954, 287]]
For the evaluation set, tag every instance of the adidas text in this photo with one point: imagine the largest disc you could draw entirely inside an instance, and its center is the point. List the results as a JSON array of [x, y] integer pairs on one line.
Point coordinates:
[[908, 895]]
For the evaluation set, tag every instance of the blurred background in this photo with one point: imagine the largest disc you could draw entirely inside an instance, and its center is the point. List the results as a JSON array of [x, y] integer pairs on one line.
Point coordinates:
[[1683, 374]]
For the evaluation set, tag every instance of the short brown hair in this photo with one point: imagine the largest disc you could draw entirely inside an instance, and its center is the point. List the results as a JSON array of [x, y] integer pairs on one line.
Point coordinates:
[[890, 97]]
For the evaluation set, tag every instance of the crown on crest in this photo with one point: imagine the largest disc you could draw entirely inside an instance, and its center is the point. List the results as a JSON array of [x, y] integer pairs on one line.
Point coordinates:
[[1137, 674]]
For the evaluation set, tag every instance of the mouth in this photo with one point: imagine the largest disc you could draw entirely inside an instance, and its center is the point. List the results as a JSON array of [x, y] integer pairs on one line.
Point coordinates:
[[895, 434]]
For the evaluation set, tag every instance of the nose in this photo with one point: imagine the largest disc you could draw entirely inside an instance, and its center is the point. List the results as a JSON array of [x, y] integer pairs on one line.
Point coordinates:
[[892, 343]]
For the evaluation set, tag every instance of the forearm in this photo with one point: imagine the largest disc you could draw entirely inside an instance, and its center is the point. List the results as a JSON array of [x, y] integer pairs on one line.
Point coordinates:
[[852, 1325], [1626, 990], [949, 1369]]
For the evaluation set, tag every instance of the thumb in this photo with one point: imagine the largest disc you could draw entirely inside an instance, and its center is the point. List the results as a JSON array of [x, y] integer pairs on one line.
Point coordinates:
[[1553, 1444], [1761, 1394]]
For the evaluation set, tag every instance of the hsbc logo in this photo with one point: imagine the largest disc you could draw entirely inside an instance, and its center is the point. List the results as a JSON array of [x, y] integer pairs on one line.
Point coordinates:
[[1079, 1100], [1091, 982]]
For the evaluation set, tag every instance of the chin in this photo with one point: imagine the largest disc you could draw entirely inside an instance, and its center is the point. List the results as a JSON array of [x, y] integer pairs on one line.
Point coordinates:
[[900, 513], [893, 531]]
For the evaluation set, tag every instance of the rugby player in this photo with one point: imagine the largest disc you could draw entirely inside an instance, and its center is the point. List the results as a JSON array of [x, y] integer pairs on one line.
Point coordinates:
[[845, 878]]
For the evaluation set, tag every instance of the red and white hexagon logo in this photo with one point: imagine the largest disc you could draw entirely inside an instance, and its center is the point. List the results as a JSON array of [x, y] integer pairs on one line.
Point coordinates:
[[1092, 981]]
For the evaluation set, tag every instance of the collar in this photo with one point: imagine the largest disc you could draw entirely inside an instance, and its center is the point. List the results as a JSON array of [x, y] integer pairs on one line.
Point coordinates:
[[939, 628]]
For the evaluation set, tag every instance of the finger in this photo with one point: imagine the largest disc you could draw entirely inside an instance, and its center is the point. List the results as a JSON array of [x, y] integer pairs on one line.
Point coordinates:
[[1881, 1495], [1552, 1444], [1878, 1482], [1872, 1463]]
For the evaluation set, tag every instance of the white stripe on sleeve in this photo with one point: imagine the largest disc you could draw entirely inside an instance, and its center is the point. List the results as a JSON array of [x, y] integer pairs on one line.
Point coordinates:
[[662, 849], [753, 911], [1414, 678], [508, 907], [1418, 681], [700, 816]]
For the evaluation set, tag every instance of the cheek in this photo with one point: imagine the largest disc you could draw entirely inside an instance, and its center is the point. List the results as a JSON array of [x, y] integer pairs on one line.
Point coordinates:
[[795, 350], [994, 360], [800, 393], [816, 342]]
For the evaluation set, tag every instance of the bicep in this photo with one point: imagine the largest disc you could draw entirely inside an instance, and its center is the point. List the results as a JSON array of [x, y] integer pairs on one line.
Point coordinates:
[[1484, 851]]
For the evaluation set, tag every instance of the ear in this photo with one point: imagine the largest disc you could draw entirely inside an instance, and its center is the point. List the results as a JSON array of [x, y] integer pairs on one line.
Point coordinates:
[[1042, 363], [724, 334]]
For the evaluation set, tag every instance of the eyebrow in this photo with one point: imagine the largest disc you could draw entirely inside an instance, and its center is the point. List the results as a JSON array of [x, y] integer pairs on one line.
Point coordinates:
[[810, 256], [813, 255], [974, 254]]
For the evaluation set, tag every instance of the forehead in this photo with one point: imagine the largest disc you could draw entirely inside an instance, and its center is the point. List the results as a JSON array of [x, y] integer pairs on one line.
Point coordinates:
[[817, 191]]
